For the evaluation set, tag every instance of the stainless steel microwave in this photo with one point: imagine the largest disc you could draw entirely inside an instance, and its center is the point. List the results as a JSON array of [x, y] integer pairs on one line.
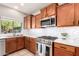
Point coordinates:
[[48, 22]]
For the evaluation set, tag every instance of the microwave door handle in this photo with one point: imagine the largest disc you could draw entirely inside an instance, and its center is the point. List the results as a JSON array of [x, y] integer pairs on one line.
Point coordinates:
[[50, 21]]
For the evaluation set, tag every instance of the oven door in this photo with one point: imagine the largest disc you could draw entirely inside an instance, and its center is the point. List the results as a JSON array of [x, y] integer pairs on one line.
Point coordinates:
[[48, 50], [40, 49]]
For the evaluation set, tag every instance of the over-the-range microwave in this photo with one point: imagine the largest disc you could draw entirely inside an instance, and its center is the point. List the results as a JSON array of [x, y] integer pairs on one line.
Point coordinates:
[[48, 22]]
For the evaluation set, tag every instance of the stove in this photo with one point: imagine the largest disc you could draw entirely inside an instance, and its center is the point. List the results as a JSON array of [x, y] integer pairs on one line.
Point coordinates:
[[46, 39], [44, 45]]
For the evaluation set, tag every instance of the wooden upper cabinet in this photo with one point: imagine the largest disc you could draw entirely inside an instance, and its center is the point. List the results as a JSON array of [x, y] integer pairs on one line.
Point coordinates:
[[51, 9], [65, 15], [77, 51], [37, 19], [76, 13], [27, 22], [33, 21], [20, 42], [43, 12]]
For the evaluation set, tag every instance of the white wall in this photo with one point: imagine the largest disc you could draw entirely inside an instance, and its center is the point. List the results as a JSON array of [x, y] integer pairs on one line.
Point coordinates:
[[4, 11], [73, 32], [11, 13]]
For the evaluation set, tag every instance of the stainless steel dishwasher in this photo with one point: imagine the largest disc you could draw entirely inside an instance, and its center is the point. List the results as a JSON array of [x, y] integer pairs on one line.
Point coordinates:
[[2, 47]]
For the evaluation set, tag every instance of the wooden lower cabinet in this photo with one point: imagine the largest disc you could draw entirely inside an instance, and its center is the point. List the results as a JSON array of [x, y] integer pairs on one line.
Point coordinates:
[[27, 43], [33, 45], [62, 52], [30, 44], [20, 43], [14, 44], [10, 45]]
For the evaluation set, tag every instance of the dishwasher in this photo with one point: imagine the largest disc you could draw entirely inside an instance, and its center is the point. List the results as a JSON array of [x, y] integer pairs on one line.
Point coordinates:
[[2, 47]]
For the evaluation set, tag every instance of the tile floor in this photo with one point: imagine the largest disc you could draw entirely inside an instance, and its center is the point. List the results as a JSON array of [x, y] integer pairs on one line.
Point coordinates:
[[23, 52]]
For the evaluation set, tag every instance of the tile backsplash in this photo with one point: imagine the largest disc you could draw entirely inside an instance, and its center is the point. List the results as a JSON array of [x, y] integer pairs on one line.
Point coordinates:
[[73, 32]]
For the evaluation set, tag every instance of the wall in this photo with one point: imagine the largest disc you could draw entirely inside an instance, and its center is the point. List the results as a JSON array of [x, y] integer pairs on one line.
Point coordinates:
[[73, 32], [4, 11], [11, 13]]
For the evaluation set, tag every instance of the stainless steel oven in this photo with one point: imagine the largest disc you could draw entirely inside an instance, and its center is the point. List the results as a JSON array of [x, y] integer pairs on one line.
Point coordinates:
[[40, 49], [45, 45], [44, 50]]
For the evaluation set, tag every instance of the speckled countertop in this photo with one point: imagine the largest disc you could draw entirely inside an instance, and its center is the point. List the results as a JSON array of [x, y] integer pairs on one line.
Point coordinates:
[[72, 42]]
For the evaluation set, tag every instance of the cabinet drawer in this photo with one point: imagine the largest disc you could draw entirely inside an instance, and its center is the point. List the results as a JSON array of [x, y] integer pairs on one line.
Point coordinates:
[[65, 47]]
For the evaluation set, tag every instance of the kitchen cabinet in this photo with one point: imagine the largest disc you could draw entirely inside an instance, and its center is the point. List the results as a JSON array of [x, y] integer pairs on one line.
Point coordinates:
[[14, 44], [27, 43], [27, 22], [20, 43], [38, 19], [51, 9], [76, 13], [63, 50], [65, 15], [43, 12], [30, 44], [33, 45], [33, 21], [77, 51], [10, 45]]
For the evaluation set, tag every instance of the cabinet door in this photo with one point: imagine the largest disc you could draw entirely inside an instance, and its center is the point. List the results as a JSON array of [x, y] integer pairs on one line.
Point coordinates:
[[51, 10], [27, 22], [77, 51], [65, 15], [37, 19], [27, 43], [33, 21], [33, 45], [43, 12], [10, 45], [61, 52], [20, 43], [76, 13]]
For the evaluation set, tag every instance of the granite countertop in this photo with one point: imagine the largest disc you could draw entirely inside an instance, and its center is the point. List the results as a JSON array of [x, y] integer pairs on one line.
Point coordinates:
[[72, 42], [4, 37]]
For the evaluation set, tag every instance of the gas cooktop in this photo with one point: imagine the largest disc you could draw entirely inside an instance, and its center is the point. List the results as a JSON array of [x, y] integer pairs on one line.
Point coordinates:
[[48, 37]]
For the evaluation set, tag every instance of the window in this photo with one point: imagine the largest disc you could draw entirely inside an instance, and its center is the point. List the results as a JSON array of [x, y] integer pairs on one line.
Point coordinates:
[[10, 26]]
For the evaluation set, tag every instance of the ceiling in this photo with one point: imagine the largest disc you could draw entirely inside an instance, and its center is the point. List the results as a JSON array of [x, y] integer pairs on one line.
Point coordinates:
[[26, 8]]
